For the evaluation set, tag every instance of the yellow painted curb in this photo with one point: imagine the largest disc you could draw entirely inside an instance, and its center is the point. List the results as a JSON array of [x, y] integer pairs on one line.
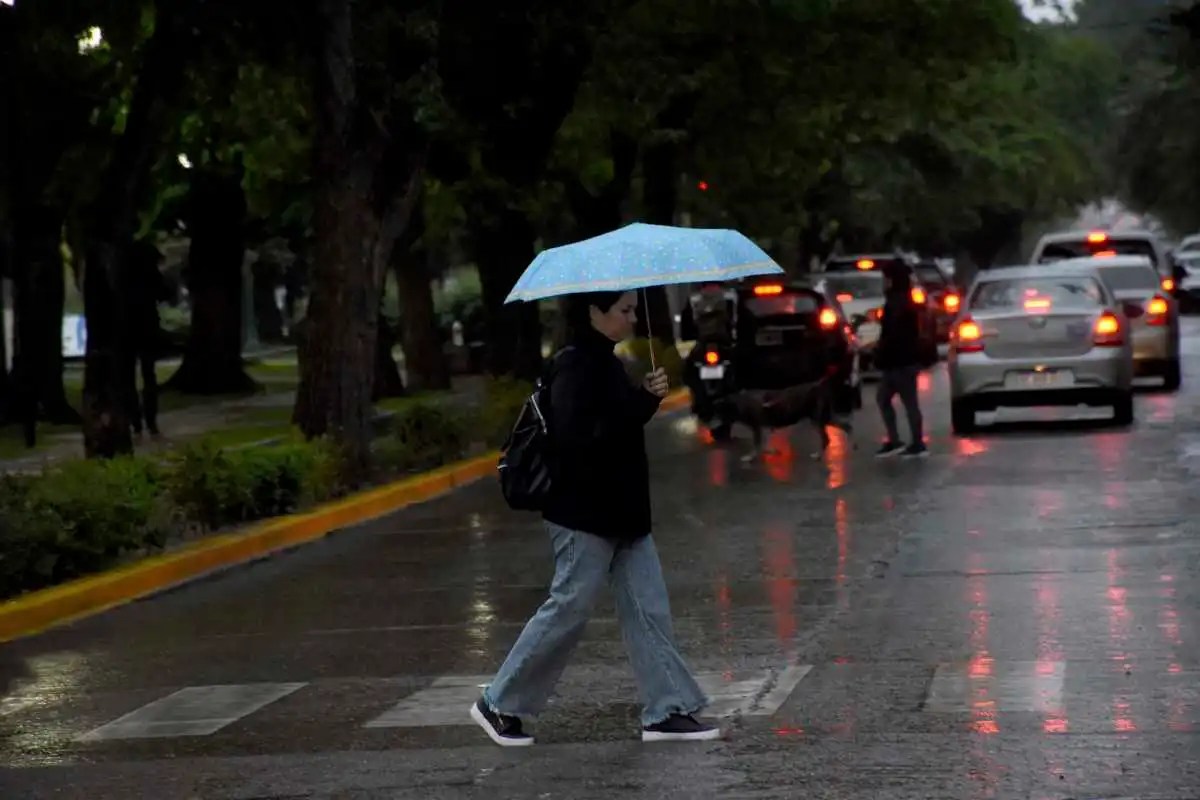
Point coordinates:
[[58, 605], [47, 608]]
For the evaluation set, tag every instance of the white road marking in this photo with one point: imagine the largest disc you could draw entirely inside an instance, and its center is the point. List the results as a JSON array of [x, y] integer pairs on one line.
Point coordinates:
[[445, 702], [1035, 686], [757, 696], [194, 711]]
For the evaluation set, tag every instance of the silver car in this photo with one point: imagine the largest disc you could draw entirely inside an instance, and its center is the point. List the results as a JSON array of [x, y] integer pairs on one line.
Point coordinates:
[[1036, 336], [1152, 314]]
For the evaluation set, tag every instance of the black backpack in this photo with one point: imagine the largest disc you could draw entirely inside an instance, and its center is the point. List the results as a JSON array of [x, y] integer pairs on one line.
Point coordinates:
[[525, 457]]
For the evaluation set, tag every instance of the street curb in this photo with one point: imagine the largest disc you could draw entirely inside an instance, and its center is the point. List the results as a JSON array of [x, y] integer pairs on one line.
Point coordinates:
[[58, 605]]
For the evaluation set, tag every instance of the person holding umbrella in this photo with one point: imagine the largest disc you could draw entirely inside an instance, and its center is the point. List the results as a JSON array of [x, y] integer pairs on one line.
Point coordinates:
[[597, 510]]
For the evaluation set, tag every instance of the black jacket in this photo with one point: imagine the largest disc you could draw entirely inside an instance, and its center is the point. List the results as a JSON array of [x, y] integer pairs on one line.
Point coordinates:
[[899, 334], [600, 479]]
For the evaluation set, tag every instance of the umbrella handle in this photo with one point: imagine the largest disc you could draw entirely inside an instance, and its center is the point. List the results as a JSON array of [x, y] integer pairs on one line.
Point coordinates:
[[649, 332]]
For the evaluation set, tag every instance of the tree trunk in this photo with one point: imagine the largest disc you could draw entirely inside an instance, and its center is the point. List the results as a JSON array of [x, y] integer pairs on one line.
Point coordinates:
[[503, 248], [212, 358], [38, 310], [388, 381], [426, 366], [110, 225], [660, 194], [357, 224]]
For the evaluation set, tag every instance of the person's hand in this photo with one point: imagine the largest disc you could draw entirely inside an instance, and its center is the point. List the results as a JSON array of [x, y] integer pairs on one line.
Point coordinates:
[[656, 382]]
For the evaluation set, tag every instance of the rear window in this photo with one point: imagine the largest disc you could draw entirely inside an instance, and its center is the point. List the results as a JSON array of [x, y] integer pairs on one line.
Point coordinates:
[[1084, 249], [771, 306], [1018, 293], [931, 276], [1123, 279], [863, 284], [859, 264]]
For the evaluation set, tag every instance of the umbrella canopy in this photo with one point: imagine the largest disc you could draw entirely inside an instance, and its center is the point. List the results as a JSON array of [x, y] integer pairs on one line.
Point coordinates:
[[642, 255]]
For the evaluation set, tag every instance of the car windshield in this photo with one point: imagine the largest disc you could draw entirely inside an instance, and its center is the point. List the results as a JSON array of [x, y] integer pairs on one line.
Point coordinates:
[[862, 284], [771, 306], [1067, 292], [1058, 251], [1127, 279]]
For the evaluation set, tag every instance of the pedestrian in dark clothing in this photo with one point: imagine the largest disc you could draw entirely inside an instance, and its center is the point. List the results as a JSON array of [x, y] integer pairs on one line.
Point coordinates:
[[142, 336], [898, 356], [598, 518]]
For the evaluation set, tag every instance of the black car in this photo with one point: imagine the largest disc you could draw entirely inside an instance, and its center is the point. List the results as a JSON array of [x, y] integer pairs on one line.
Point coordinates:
[[945, 298], [783, 333]]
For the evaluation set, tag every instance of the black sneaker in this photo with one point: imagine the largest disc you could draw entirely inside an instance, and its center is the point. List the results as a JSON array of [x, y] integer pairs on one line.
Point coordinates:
[[890, 449], [680, 728], [918, 450], [503, 729]]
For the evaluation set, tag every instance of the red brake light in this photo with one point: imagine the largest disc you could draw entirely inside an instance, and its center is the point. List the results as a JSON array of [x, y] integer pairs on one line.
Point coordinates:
[[1036, 305], [1105, 254], [1156, 311], [875, 314], [1097, 237], [1108, 331], [951, 302], [918, 295], [865, 263], [968, 337], [768, 290], [1168, 284], [711, 357], [845, 297], [828, 319]]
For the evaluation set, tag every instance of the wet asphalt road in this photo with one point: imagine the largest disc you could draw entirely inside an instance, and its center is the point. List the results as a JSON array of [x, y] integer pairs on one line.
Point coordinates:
[[1015, 617]]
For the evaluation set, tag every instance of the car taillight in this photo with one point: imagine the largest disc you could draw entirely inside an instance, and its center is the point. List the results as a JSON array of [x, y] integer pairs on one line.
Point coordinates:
[[875, 314], [918, 295], [951, 302], [768, 290], [1037, 305], [1156, 311], [1097, 237], [1107, 331], [828, 319], [1168, 284], [967, 337], [845, 297], [711, 357]]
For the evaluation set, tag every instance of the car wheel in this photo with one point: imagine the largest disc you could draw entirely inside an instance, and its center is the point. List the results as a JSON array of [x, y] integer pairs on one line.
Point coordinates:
[[1123, 409], [962, 417], [721, 433], [1172, 376]]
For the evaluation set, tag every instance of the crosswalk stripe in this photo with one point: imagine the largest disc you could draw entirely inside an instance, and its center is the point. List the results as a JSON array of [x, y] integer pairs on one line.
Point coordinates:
[[1002, 686], [446, 700], [193, 711]]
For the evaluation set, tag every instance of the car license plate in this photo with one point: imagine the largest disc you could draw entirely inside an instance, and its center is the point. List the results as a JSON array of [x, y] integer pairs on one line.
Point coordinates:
[[712, 373], [1044, 379], [768, 338], [868, 332]]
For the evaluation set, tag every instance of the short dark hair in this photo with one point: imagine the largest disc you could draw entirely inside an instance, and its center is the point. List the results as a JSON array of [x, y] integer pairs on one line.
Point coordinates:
[[579, 316]]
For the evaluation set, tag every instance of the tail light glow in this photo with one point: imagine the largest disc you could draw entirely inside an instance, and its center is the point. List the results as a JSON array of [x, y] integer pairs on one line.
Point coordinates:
[[1168, 284], [768, 290], [711, 357], [968, 337], [1097, 237], [828, 319], [1107, 331], [1106, 254], [845, 297], [865, 263], [875, 314], [918, 295], [1156, 311], [1035, 305], [951, 302]]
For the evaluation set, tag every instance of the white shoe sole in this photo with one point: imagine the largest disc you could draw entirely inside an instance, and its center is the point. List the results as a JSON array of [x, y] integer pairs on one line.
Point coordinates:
[[703, 736], [481, 720]]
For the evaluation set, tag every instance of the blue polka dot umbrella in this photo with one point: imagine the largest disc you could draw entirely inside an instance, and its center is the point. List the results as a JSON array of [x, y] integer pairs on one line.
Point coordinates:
[[640, 255]]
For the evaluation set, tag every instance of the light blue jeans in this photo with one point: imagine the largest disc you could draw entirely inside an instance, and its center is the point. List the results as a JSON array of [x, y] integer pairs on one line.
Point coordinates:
[[583, 563]]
